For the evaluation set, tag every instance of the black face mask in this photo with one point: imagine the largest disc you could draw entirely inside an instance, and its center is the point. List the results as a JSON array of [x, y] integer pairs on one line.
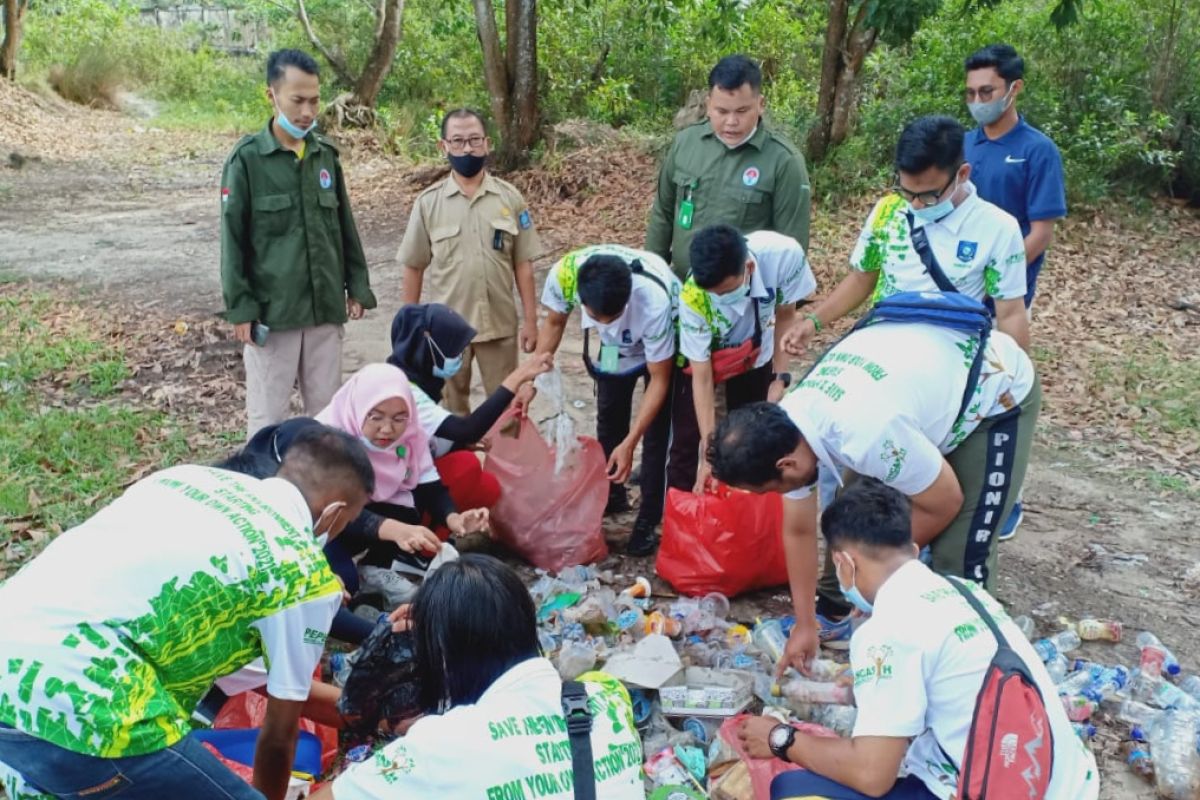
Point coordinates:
[[467, 165]]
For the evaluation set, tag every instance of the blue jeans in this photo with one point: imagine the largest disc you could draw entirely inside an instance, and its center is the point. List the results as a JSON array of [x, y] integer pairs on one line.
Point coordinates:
[[810, 786], [181, 772]]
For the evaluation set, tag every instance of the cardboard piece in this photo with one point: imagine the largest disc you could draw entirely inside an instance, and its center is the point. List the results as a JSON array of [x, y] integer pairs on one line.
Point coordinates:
[[650, 664]]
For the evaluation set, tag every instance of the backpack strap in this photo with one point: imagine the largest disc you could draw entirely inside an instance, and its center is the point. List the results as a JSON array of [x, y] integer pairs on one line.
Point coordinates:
[[579, 729], [973, 601], [920, 241]]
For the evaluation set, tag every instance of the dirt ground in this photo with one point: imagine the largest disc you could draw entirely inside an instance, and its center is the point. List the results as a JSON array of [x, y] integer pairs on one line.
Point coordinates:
[[127, 218]]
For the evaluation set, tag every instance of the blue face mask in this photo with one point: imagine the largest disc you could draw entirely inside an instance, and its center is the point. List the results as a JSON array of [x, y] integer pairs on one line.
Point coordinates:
[[735, 298], [292, 130], [934, 213], [449, 367], [854, 596]]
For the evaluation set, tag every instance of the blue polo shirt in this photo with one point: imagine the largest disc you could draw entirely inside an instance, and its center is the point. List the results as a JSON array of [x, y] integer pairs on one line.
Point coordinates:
[[1022, 173]]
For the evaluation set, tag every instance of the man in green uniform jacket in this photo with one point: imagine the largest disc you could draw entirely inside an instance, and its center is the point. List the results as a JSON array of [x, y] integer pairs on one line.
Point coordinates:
[[728, 170], [292, 265]]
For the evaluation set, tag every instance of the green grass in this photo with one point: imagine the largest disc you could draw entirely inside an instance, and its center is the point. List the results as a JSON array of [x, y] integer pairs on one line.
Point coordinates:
[[68, 440], [1162, 389]]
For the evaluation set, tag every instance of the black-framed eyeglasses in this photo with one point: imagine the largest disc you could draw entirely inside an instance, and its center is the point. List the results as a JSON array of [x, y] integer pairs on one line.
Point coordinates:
[[458, 145], [926, 198], [984, 93]]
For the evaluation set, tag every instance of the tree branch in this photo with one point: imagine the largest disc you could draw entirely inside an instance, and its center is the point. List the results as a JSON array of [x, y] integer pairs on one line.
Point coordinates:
[[336, 61]]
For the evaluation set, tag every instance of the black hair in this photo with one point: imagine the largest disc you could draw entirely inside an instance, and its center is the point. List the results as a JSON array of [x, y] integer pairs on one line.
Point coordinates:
[[734, 71], [748, 442], [280, 60], [931, 141], [868, 513], [605, 283], [246, 462], [462, 113], [473, 620], [320, 456], [718, 252], [1001, 57]]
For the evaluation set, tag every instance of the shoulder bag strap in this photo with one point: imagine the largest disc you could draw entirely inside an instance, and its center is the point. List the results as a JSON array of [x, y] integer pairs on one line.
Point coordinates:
[[920, 242], [579, 729]]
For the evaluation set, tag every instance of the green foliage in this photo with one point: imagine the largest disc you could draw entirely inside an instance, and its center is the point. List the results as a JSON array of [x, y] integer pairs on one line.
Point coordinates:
[[62, 458]]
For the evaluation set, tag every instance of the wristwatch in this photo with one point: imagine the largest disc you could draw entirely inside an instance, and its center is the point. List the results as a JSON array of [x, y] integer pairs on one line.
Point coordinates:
[[783, 377], [780, 740]]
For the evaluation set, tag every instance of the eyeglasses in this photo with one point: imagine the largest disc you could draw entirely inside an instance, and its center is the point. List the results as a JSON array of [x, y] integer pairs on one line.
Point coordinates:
[[926, 198], [458, 145], [985, 93]]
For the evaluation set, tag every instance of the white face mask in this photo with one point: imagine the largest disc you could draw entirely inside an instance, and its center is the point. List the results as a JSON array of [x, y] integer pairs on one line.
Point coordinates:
[[323, 536]]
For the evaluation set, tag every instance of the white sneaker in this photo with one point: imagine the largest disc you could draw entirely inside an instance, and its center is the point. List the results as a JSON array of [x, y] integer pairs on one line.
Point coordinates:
[[396, 590]]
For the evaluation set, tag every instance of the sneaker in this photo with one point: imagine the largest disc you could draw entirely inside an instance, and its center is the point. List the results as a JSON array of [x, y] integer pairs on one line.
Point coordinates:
[[395, 590], [1012, 523], [835, 634], [618, 502], [643, 541]]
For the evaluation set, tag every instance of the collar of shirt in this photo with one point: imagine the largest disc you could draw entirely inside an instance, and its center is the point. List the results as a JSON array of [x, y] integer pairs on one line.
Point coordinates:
[[267, 143], [488, 184], [756, 140], [532, 670], [955, 219], [758, 289], [1017, 130], [591, 324]]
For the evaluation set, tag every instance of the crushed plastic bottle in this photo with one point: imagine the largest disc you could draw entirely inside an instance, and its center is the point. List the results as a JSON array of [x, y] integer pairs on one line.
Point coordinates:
[[1137, 715], [1076, 682], [340, 665], [1084, 730], [1061, 642], [768, 637], [1058, 668], [800, 690], [1026, 626], [1137, 756], [1091, 629], [1191, 686], [1156, 691], [826, 669], [575, 658], [1176, 762], [1148, 639], [1078, 707]]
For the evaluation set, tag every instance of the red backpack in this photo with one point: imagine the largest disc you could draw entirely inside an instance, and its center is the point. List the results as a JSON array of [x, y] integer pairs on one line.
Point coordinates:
[[1010, 747]]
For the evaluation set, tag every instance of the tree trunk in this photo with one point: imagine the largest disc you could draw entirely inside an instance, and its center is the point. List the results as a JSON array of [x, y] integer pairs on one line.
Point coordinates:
[[14, 16], [495, 70], [858, 45], [379, 62], [831, 67]]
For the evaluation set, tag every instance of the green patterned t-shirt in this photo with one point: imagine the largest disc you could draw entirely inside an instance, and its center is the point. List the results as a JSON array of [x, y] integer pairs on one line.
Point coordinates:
[[114, 633]]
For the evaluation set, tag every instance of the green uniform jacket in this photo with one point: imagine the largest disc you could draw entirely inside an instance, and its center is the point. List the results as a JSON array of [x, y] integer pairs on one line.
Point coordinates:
[[760, 185], [290, 252]]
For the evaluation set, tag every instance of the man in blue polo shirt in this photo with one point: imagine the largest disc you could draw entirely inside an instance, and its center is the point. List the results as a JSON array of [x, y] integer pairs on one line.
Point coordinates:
[[1014, 166]]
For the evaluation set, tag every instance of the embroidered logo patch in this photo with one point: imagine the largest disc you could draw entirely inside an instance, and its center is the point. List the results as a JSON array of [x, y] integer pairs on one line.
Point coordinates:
[[524, 220], [224, 194], [326, 179], [750, 176], [967, 250]]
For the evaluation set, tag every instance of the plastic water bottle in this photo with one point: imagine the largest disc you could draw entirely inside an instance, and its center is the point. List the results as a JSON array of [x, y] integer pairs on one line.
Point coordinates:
[[1176, 763], [1148, 639], [575, 658], [768, 637], [1191, 686], [1078, 707], [1061, 642], [800, 690], [1057, 667], [826, 669], [1026, 626], [1137, 756], [1156, 691], [1091, 629], [340, 665], [1076, 682], [1084, 730], [1137, 715], [1108, 682]]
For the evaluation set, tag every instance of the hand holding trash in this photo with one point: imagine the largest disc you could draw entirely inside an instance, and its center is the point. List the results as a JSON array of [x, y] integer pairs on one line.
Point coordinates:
[[401, 618], [473, 521], [409, 538], [753, 733], [802, 646]]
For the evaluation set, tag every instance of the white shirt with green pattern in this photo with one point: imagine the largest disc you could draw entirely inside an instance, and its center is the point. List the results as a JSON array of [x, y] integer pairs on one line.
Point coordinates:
[[978, 246], [114, 633], [782, 276]]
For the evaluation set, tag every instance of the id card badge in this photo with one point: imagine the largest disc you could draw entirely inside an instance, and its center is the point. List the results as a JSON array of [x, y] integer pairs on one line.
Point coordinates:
[[609, 356], [687, 209]]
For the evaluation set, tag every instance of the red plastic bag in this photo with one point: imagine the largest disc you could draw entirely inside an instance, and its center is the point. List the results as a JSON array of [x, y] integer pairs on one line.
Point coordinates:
[[551, 520], [727, 541], [249, 709], [763, 770]]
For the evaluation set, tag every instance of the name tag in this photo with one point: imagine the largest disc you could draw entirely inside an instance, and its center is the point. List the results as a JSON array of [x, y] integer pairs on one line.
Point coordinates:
[[609, 355]]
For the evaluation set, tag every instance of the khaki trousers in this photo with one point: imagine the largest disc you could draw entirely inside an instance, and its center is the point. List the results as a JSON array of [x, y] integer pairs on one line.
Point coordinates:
[[314, 355], [496, 358]]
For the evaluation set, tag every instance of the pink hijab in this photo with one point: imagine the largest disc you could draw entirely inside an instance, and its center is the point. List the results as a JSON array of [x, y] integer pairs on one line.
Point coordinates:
[[400, 469]]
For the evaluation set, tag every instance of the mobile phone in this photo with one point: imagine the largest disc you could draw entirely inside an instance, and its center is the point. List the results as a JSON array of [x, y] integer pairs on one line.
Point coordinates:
[[259, 333]]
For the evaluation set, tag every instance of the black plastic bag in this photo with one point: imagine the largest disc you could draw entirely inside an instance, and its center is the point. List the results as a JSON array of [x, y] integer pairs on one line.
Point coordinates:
[[382, 686]]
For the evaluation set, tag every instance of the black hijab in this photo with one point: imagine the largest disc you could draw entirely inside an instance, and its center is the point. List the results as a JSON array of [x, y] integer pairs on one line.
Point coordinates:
[[410, 346]]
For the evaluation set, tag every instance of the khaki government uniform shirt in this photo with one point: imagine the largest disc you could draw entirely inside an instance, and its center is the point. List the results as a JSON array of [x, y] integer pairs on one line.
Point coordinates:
[[469, 249]]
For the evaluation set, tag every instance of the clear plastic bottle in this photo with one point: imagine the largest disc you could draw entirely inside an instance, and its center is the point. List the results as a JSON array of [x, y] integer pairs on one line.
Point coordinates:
[[1091, 629], [1084, 730], [1138, 715], [1148, 639], [1057, 667], [768, 637], [799, 690], [1176, 762], [1156, 691], [826, 669], [1061, 642], [575, 658], [340, 665], [1026, 626], [1137, 756], [1108, 681], [1078, 707], [1191, 686]]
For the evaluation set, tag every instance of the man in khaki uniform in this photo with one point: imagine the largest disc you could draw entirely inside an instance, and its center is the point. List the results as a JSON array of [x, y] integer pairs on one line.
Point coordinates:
[[472, 234], [728, 170], [292, 265]]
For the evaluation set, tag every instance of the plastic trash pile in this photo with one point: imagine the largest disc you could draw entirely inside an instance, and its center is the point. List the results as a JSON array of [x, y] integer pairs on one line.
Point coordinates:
[[1153, 705], [689, 669]]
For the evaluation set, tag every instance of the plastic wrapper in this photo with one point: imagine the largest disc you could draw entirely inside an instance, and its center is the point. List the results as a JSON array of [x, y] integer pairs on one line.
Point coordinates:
[[764, 770], [383, 686], [726, 541], [550, 518]]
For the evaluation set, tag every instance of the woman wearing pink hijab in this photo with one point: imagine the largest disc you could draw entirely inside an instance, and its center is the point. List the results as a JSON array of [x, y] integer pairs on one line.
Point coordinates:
[[376, 405]]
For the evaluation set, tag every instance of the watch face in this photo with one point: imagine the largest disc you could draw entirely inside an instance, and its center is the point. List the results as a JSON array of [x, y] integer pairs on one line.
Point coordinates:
[[779, 737]]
